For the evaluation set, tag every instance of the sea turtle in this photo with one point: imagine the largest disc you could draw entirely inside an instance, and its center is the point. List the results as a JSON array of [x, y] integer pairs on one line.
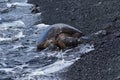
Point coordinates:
[[59, 35]]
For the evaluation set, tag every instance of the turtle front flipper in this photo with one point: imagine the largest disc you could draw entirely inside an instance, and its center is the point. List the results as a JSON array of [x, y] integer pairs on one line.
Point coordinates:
[[61, 45], [50, 44]]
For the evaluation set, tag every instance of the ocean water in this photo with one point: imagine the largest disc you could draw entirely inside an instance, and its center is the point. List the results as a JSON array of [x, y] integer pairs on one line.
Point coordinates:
[[19, 60]]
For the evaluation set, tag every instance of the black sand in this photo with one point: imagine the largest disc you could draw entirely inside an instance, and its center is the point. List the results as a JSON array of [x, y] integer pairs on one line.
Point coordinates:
[[86, 15]]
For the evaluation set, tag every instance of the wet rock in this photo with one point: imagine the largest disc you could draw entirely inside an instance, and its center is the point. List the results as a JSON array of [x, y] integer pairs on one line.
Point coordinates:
[[36, 9]]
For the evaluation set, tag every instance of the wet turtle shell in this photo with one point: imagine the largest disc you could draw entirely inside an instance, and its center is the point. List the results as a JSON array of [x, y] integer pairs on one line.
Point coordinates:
[[50, 35]]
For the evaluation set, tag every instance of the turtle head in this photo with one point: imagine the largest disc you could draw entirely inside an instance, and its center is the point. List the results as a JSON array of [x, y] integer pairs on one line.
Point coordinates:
[[43, 45], [49, 44], [40, 47]]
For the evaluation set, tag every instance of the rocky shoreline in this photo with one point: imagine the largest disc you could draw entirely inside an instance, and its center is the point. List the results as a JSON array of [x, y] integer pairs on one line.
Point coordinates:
[[101, 16]]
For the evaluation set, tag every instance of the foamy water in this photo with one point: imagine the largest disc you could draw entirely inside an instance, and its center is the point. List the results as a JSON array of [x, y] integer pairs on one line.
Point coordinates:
[[18, 4], [19, 60], [14, 24]]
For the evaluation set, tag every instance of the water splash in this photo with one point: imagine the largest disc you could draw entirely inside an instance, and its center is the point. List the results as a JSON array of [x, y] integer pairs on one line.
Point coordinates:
[[5, 39], [18, 4], [19, 35], [62, 62], [14, 24]]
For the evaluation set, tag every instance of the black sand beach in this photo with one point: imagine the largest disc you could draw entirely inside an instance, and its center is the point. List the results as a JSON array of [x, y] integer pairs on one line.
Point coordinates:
[[89, 16], [86, 15]]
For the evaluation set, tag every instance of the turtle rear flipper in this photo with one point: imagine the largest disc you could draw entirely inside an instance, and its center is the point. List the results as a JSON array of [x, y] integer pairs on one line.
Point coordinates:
[[61, 45]]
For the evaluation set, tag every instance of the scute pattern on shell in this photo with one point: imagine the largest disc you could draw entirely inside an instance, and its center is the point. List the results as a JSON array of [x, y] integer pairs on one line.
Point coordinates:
[[52, 33]]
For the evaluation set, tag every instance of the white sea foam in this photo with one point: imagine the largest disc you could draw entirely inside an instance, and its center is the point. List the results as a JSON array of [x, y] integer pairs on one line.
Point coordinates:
[[2, 63], [13, 24], [38, 14], [85, 48], [0, 18], [42, 25], [30, 49], [0, 49], [57, 66], [7, 69], [5, 39], [61, 64], [17, 46], [18, 4], [20, 35], [3, 0]]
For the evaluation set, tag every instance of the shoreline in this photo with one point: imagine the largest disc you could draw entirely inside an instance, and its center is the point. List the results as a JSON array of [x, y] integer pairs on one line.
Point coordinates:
[[87, 16], [90, 17]]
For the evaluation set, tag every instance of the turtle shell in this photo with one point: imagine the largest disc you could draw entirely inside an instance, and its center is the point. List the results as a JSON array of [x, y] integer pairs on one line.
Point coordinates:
[[54, 30]]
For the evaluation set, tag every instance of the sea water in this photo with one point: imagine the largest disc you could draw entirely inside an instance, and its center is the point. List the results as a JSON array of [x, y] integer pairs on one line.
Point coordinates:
[[19, 60]]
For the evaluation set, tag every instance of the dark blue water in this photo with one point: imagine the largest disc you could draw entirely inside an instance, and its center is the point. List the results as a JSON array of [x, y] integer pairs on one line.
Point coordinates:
[[19, 31]]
